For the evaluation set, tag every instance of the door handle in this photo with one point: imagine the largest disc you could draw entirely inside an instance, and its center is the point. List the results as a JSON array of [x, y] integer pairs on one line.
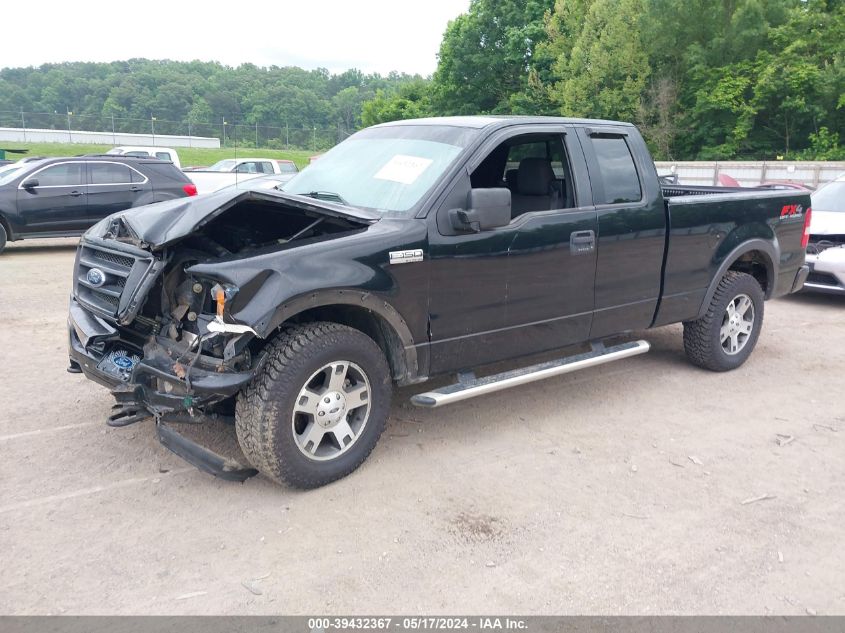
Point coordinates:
[[76, 194], [582, 242], [134, 189]]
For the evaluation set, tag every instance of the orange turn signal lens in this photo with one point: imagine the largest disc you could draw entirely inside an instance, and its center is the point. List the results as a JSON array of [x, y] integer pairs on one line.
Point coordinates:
[[221, 301]]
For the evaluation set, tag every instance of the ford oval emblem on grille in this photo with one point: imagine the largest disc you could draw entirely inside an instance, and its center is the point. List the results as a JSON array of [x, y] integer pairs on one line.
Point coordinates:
[[96, 277]]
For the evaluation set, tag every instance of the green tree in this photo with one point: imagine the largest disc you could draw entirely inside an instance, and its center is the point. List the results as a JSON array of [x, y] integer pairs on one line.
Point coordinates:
[[410, 101], [605, 72], [200, 111], [486, 55], [347, 107]]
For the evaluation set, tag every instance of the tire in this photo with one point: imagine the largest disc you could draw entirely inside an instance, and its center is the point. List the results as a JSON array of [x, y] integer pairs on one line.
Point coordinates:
[[3, 237], [276, 416], [725, 336]]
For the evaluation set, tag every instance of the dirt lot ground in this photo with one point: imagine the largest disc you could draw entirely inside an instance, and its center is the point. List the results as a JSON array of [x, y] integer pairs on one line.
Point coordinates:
[[622, 489]]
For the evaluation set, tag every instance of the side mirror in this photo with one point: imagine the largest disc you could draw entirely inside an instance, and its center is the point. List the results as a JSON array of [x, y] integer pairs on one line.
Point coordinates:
[[32, 183], [486, 209]]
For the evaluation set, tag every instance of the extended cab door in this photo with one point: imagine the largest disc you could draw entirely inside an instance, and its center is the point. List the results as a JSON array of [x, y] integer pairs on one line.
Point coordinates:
[[58, 204], [631, 228], [113, 187], [527, 286]]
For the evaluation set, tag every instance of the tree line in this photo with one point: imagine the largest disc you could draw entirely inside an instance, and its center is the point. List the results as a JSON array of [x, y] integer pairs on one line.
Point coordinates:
[[723, 79], [716, 80], [193, 92]]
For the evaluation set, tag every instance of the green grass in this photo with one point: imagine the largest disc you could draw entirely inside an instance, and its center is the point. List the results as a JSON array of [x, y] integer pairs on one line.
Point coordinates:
[[187, 155]]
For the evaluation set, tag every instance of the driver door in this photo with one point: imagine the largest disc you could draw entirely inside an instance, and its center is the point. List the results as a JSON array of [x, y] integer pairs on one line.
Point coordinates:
[[521, 288]]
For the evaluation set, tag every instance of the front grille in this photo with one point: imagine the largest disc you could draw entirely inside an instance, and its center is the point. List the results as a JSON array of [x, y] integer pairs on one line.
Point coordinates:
[[822, 279], [114, 258], [113, 301], [119, 271]]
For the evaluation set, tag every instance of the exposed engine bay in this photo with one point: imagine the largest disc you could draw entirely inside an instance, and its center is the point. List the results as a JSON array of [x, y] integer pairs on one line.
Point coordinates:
[[173, 289], [254, 225], [186, 310]]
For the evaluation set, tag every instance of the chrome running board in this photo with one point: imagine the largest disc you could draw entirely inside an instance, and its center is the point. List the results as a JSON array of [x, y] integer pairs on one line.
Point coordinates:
[[470, 387]]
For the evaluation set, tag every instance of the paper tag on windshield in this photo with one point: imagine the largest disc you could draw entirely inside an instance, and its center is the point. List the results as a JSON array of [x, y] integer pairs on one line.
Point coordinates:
[[404, 169]]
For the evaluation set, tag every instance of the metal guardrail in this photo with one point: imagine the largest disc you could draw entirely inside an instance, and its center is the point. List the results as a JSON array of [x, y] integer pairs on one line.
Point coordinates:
[[752, 173], [231, 132]]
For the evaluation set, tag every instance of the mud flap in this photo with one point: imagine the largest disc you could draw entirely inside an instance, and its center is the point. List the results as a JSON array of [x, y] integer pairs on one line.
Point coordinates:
[[203, 458]]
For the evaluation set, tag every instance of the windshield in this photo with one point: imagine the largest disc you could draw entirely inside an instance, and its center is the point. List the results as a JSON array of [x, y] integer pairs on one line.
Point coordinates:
[[223, 165], [831, 197], [7, 173], [385, 169]]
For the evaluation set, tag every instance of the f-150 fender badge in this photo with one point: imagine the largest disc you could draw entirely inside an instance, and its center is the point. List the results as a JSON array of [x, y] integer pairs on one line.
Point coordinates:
[[406, 257]]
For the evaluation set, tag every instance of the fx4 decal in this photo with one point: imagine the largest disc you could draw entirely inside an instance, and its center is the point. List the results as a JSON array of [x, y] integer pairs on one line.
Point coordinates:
[[791, 210]]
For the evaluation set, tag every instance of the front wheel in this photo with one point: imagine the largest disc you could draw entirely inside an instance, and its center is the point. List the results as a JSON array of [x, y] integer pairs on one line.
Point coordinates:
[[317, 408], [725, 336], [3, 237]]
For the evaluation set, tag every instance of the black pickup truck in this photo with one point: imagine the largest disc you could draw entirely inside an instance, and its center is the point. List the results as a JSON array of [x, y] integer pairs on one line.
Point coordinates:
[[410, 250]]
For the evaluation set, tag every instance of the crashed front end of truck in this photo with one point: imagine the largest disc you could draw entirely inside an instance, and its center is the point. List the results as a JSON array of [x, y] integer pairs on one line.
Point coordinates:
[[172, 303]]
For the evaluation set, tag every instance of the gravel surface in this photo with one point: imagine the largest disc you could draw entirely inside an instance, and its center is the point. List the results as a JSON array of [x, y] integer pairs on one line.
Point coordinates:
[[641, 487]]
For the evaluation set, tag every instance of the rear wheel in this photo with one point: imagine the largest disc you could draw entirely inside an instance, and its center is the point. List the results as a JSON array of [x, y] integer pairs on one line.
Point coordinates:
[[316, 410], [3, 237], [725, 336]]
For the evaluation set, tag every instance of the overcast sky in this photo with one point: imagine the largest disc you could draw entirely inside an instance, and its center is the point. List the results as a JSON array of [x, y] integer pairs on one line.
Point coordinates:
[[372, 35]]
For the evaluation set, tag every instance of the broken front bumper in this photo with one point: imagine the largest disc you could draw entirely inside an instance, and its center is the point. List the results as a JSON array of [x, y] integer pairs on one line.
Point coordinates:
[[149, 374]]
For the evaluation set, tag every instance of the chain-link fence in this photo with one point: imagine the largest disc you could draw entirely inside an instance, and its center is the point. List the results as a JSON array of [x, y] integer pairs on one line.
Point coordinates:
[[231, 133]]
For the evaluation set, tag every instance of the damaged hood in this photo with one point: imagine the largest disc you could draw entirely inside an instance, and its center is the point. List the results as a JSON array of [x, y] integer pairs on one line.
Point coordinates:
[[166, 222]]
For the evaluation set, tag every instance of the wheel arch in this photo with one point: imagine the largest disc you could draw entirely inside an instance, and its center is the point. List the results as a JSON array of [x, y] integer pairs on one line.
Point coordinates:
[[367, 313], [10, 236], [756, 257]]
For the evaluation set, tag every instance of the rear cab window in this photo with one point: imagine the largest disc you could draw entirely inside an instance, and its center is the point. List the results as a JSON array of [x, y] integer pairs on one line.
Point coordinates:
[[619, 178]]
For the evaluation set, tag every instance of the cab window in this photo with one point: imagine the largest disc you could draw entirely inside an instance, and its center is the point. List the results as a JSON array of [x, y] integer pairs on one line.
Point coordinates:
[[618, 171], [535, 169]]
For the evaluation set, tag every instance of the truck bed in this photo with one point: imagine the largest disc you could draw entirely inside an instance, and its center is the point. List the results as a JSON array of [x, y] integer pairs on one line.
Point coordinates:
[[706, 224], [677, 191]]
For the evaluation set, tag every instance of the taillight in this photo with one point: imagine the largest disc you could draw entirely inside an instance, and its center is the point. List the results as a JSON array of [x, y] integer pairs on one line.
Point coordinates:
[[190, 189], [805, 239]]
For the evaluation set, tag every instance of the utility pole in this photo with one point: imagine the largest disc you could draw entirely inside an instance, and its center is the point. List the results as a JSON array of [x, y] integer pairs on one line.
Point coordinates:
[[224, 131], [69, 135], [153, 128], [256, 134], [23, 124], [287, 136], [314, 141], [113, 136]]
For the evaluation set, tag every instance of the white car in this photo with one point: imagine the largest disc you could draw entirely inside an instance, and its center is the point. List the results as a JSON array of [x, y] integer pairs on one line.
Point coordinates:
[[234, 171], [163, 153], [273, 182], [826, 250]]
